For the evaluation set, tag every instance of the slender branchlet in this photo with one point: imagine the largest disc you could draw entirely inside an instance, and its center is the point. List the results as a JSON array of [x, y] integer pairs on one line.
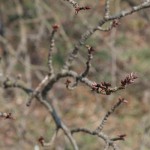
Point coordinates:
[[101, 125], [74, 52], [107, 8], [87, 131], [16, 84], [52, 44], [90, 56], [86, 71]]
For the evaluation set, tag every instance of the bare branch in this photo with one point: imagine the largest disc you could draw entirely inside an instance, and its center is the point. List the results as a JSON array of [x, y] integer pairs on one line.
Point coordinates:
[[90, 32], [40, 93]]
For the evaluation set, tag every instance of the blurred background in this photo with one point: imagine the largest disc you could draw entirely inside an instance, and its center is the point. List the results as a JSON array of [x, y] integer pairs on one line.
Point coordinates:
[[25, 27]]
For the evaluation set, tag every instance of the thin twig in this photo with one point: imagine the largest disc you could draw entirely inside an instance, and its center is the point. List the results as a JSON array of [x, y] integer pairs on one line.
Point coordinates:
[[107, 8], [101, 125], [52, 44]]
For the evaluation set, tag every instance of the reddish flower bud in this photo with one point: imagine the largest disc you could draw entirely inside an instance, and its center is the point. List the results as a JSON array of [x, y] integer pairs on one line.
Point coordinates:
[[87, 7], [67, 83], [116, 23], [9, 116], [6, 115], [122, 136], [122, 100], [55, 27], [129, 79], [41, 140]]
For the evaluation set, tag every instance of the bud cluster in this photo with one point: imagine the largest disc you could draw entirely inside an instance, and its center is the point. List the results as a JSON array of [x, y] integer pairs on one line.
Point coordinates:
[[102, 87], [129, 79]]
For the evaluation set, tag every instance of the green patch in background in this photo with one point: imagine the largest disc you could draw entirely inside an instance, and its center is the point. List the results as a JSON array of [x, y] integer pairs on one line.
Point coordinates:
[[58, 59], [121, 40], [103, 55], [140, 59]]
